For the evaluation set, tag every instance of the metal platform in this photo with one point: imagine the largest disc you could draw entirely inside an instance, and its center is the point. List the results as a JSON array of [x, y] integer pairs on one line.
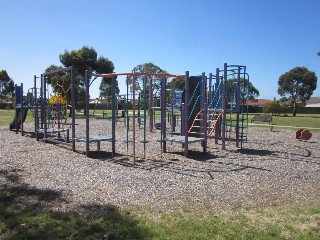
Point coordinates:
[[181, 139], [53, 130], [98, 139], [94, 139]]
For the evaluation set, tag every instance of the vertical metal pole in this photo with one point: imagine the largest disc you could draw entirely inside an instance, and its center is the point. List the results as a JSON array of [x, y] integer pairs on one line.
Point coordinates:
[[186, 114], [144, 116], [134, 118], [163, 114], [41, 101], [202, 92], [73, 107], [16, 113], [45, 107], [216, 97], [21, 112], [87, 85], [205, 112], [127, 113], [238, 107], [35, 107], [114, 101], [210, 91], [150, 106], [247, 99], [224, 105]]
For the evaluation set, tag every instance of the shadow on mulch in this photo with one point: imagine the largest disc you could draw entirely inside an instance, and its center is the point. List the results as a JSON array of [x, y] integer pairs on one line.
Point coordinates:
[[196, 155], [103, 155], [258, 152], [26, 212]]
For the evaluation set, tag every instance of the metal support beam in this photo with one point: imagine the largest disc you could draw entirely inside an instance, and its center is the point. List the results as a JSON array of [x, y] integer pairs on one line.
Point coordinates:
[[186, 113], [87, 93]]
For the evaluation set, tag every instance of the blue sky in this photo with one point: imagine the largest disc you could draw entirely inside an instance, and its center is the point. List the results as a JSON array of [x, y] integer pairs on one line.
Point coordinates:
[[269, 37]]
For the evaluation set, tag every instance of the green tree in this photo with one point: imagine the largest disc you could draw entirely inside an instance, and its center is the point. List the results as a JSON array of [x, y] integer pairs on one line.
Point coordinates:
[[139, 80], [60, 82], [297, 84], [83, 59], [249, 91], [176, 83], [6, 83], [105, 87]]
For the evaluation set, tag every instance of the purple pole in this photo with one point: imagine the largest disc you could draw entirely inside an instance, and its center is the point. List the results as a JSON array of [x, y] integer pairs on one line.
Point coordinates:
[[224, 105], [35, 107], [163, 114], [73, 106], [186, 114], [205, 114], [44, 99], [87, 84], [216, 97], [210, 90], [21, 112], [238, 107]]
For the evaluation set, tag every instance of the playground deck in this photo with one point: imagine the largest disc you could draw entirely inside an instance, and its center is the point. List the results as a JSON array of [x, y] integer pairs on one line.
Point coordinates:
[[181, 139]]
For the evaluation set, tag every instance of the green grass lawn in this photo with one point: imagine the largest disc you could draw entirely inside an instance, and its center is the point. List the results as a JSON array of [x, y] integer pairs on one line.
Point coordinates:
[[21, 218], [307, 121], [6, 116]]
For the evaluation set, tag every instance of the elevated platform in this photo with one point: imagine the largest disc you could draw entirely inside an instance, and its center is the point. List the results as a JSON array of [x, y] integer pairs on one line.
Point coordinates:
[[181, 139], [54, 131], [98, 139]]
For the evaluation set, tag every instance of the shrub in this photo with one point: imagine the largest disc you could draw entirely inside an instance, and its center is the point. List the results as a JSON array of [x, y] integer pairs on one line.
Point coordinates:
[[275, 108]]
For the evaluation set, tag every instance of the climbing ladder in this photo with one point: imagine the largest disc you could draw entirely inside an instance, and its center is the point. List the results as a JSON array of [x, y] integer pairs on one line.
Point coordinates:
[[197, 126]]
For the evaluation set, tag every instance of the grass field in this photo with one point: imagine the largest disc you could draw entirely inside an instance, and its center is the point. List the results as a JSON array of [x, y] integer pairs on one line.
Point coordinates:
[[25, 213], [21, 218]]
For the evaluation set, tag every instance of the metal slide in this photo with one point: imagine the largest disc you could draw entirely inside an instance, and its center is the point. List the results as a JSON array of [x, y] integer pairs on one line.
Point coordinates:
[[17, 118]]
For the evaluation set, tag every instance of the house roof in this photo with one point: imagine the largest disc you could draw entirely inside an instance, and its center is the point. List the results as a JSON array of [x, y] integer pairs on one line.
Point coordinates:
[[313, 105], [259, 102], [313, 100]]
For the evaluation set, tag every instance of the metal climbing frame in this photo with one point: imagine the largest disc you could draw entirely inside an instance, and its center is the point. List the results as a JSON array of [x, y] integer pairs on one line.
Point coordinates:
[[42, 125]]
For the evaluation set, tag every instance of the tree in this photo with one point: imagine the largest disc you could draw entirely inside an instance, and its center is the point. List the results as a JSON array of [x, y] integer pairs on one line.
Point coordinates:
[[176, 83], [83, 59], [105, 87], [6, 83], [297, 84], [60, 82], [139, 80], [250, 91]]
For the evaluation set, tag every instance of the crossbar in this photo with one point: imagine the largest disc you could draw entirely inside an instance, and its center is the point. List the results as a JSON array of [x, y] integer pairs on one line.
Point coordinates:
[[110, 75]]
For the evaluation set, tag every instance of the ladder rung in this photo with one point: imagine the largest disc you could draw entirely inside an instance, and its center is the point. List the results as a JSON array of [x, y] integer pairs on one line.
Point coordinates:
[[196, 133]]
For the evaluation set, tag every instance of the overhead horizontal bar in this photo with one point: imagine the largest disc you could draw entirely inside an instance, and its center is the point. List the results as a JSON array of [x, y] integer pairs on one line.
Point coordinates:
[[58, 70], [110, 75]]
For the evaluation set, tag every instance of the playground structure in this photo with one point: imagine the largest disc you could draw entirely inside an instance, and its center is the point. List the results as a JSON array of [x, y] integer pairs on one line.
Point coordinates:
[[208, 107]]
